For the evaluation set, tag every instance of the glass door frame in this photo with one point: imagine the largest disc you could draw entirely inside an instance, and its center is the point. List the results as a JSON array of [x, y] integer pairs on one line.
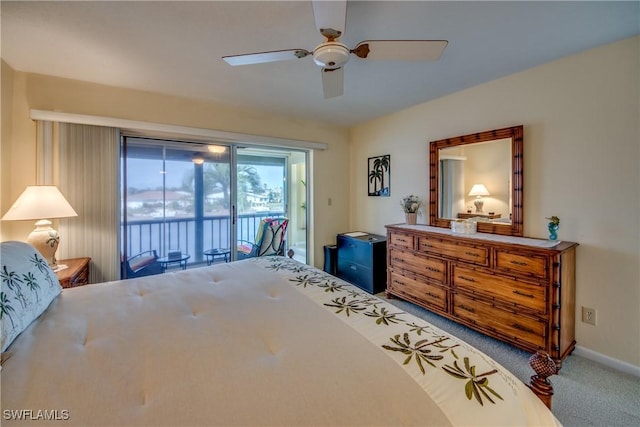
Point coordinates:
[[232, 148], [288, 188]]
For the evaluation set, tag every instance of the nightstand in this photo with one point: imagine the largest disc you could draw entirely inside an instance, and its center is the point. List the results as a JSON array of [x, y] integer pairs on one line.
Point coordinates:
[[76, 273]]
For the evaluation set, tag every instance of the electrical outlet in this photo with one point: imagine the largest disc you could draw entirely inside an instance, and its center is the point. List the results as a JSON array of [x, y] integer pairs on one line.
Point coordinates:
[[589, 315]]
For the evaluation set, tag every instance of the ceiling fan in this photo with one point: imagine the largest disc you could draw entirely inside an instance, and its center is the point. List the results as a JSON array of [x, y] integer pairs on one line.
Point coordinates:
[[331, 55]]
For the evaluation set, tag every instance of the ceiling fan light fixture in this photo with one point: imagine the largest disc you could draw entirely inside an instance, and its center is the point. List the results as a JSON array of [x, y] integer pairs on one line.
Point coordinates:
[[331, 55]]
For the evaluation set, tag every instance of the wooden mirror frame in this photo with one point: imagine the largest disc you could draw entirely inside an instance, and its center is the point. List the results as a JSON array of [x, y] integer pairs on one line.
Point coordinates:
[[516, 135]]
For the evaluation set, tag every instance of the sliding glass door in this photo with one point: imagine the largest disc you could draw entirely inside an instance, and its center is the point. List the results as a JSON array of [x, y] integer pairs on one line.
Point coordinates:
[[186, 202], [271, 183], [176, 200]]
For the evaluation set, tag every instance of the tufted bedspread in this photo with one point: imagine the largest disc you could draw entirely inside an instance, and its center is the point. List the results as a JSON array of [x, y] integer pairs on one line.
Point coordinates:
[[264, 341]]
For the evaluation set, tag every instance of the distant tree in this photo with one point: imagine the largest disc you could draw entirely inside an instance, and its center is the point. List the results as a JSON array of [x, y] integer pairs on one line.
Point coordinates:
[[217, 176]]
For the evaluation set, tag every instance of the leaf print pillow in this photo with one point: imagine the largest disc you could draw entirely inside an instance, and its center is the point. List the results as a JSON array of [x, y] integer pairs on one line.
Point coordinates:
[[28, 285]]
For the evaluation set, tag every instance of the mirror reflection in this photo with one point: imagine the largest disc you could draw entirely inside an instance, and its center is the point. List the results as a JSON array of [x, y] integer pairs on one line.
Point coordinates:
[[479, 177], [475, 181]]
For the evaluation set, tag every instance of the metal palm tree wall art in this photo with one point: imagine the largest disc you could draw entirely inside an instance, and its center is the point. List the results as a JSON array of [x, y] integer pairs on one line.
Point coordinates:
[[379, 175]]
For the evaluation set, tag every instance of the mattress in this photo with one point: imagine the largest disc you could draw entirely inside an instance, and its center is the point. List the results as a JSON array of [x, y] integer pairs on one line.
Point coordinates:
[[263, 341]]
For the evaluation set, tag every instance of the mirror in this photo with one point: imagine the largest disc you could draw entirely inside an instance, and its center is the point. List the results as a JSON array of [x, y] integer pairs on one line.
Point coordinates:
[[478, 176]]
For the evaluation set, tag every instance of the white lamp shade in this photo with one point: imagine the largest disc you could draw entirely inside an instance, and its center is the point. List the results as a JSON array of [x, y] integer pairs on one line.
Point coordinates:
[[39, 202], [479, 190]]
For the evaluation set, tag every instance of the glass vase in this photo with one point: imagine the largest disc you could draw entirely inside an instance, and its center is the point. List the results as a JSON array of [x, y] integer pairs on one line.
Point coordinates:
[[553, 231]]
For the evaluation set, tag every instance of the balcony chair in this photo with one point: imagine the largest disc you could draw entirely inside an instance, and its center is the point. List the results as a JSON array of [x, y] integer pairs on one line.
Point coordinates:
[[143, 264], [270, 239]]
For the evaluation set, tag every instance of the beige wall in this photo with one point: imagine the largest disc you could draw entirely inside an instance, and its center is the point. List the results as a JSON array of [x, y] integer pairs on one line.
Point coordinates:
[[581, 162], [31, 91], [6, 94]]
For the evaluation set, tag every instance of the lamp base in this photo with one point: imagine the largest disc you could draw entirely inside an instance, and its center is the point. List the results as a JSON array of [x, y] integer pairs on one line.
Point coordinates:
[[478, 204], [45, 239]]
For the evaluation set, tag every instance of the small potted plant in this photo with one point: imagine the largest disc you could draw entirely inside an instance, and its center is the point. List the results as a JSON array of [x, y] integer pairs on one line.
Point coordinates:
[[554, 224], [411, 206]]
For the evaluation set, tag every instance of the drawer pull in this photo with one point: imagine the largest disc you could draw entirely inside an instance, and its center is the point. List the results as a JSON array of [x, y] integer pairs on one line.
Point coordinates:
[[520, 263], [465, 308], [468, 279], [475, 254], [401, 240], [435, 270], [433, 295], [522, 328], [426, 245], [517, 292]]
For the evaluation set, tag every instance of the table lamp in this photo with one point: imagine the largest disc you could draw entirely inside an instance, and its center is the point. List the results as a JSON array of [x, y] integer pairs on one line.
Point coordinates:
[[41, 202], [478, 190]]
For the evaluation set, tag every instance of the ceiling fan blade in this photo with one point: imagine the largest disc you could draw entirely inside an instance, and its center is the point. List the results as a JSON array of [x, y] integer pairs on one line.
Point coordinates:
[[262, 57], [330, 17], [332, 82], [400, 50]]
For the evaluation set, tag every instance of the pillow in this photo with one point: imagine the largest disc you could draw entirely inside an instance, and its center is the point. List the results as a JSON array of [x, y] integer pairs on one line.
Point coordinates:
[[245, 249], [270, 239], [140, 262], [28, 286]]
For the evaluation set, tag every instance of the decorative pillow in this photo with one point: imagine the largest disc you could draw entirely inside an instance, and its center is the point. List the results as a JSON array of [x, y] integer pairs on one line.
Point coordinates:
[[269, 239], [245, 249], [28, 287], [141, 262]]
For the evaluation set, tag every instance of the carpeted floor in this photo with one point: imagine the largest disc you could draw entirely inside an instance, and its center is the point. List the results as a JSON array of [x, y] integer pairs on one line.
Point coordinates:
[[586, 392]]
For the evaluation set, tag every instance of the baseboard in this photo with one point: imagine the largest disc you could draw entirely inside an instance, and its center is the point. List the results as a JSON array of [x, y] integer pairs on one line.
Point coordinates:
[[619, 365]]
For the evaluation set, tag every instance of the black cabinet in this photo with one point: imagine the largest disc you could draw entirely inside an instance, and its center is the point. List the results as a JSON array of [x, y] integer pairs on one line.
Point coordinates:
[[362, 260]]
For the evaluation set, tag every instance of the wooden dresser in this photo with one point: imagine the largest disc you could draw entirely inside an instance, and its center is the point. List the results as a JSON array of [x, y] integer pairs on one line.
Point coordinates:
[[76, 273], [361, 260], [518, 290]]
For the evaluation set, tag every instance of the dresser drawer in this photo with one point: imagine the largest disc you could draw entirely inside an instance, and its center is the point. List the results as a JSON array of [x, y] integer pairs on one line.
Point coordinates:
[[469, 253], [526, 264], [354, 250], [507, 290], [434, 296], [401, 240], [528, 332], [431, 268]]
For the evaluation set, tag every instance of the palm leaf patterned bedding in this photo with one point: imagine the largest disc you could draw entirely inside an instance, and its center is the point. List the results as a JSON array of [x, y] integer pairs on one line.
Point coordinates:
[[463, 381]]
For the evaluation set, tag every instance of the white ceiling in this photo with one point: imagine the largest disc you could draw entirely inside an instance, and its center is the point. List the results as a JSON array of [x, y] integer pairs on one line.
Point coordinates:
[[176, 47]]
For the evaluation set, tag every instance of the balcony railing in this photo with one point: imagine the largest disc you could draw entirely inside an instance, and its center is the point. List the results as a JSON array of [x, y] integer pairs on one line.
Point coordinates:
[[170, 234]]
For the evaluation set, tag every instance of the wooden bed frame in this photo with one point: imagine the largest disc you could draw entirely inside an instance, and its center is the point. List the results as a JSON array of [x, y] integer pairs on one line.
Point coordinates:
[[544, 366]]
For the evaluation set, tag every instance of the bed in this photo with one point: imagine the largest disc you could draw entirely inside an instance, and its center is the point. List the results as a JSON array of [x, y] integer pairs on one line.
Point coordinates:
[[262, 341]]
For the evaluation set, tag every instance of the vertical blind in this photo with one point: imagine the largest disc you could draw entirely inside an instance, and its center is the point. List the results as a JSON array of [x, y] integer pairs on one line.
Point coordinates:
[[88, 176]]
